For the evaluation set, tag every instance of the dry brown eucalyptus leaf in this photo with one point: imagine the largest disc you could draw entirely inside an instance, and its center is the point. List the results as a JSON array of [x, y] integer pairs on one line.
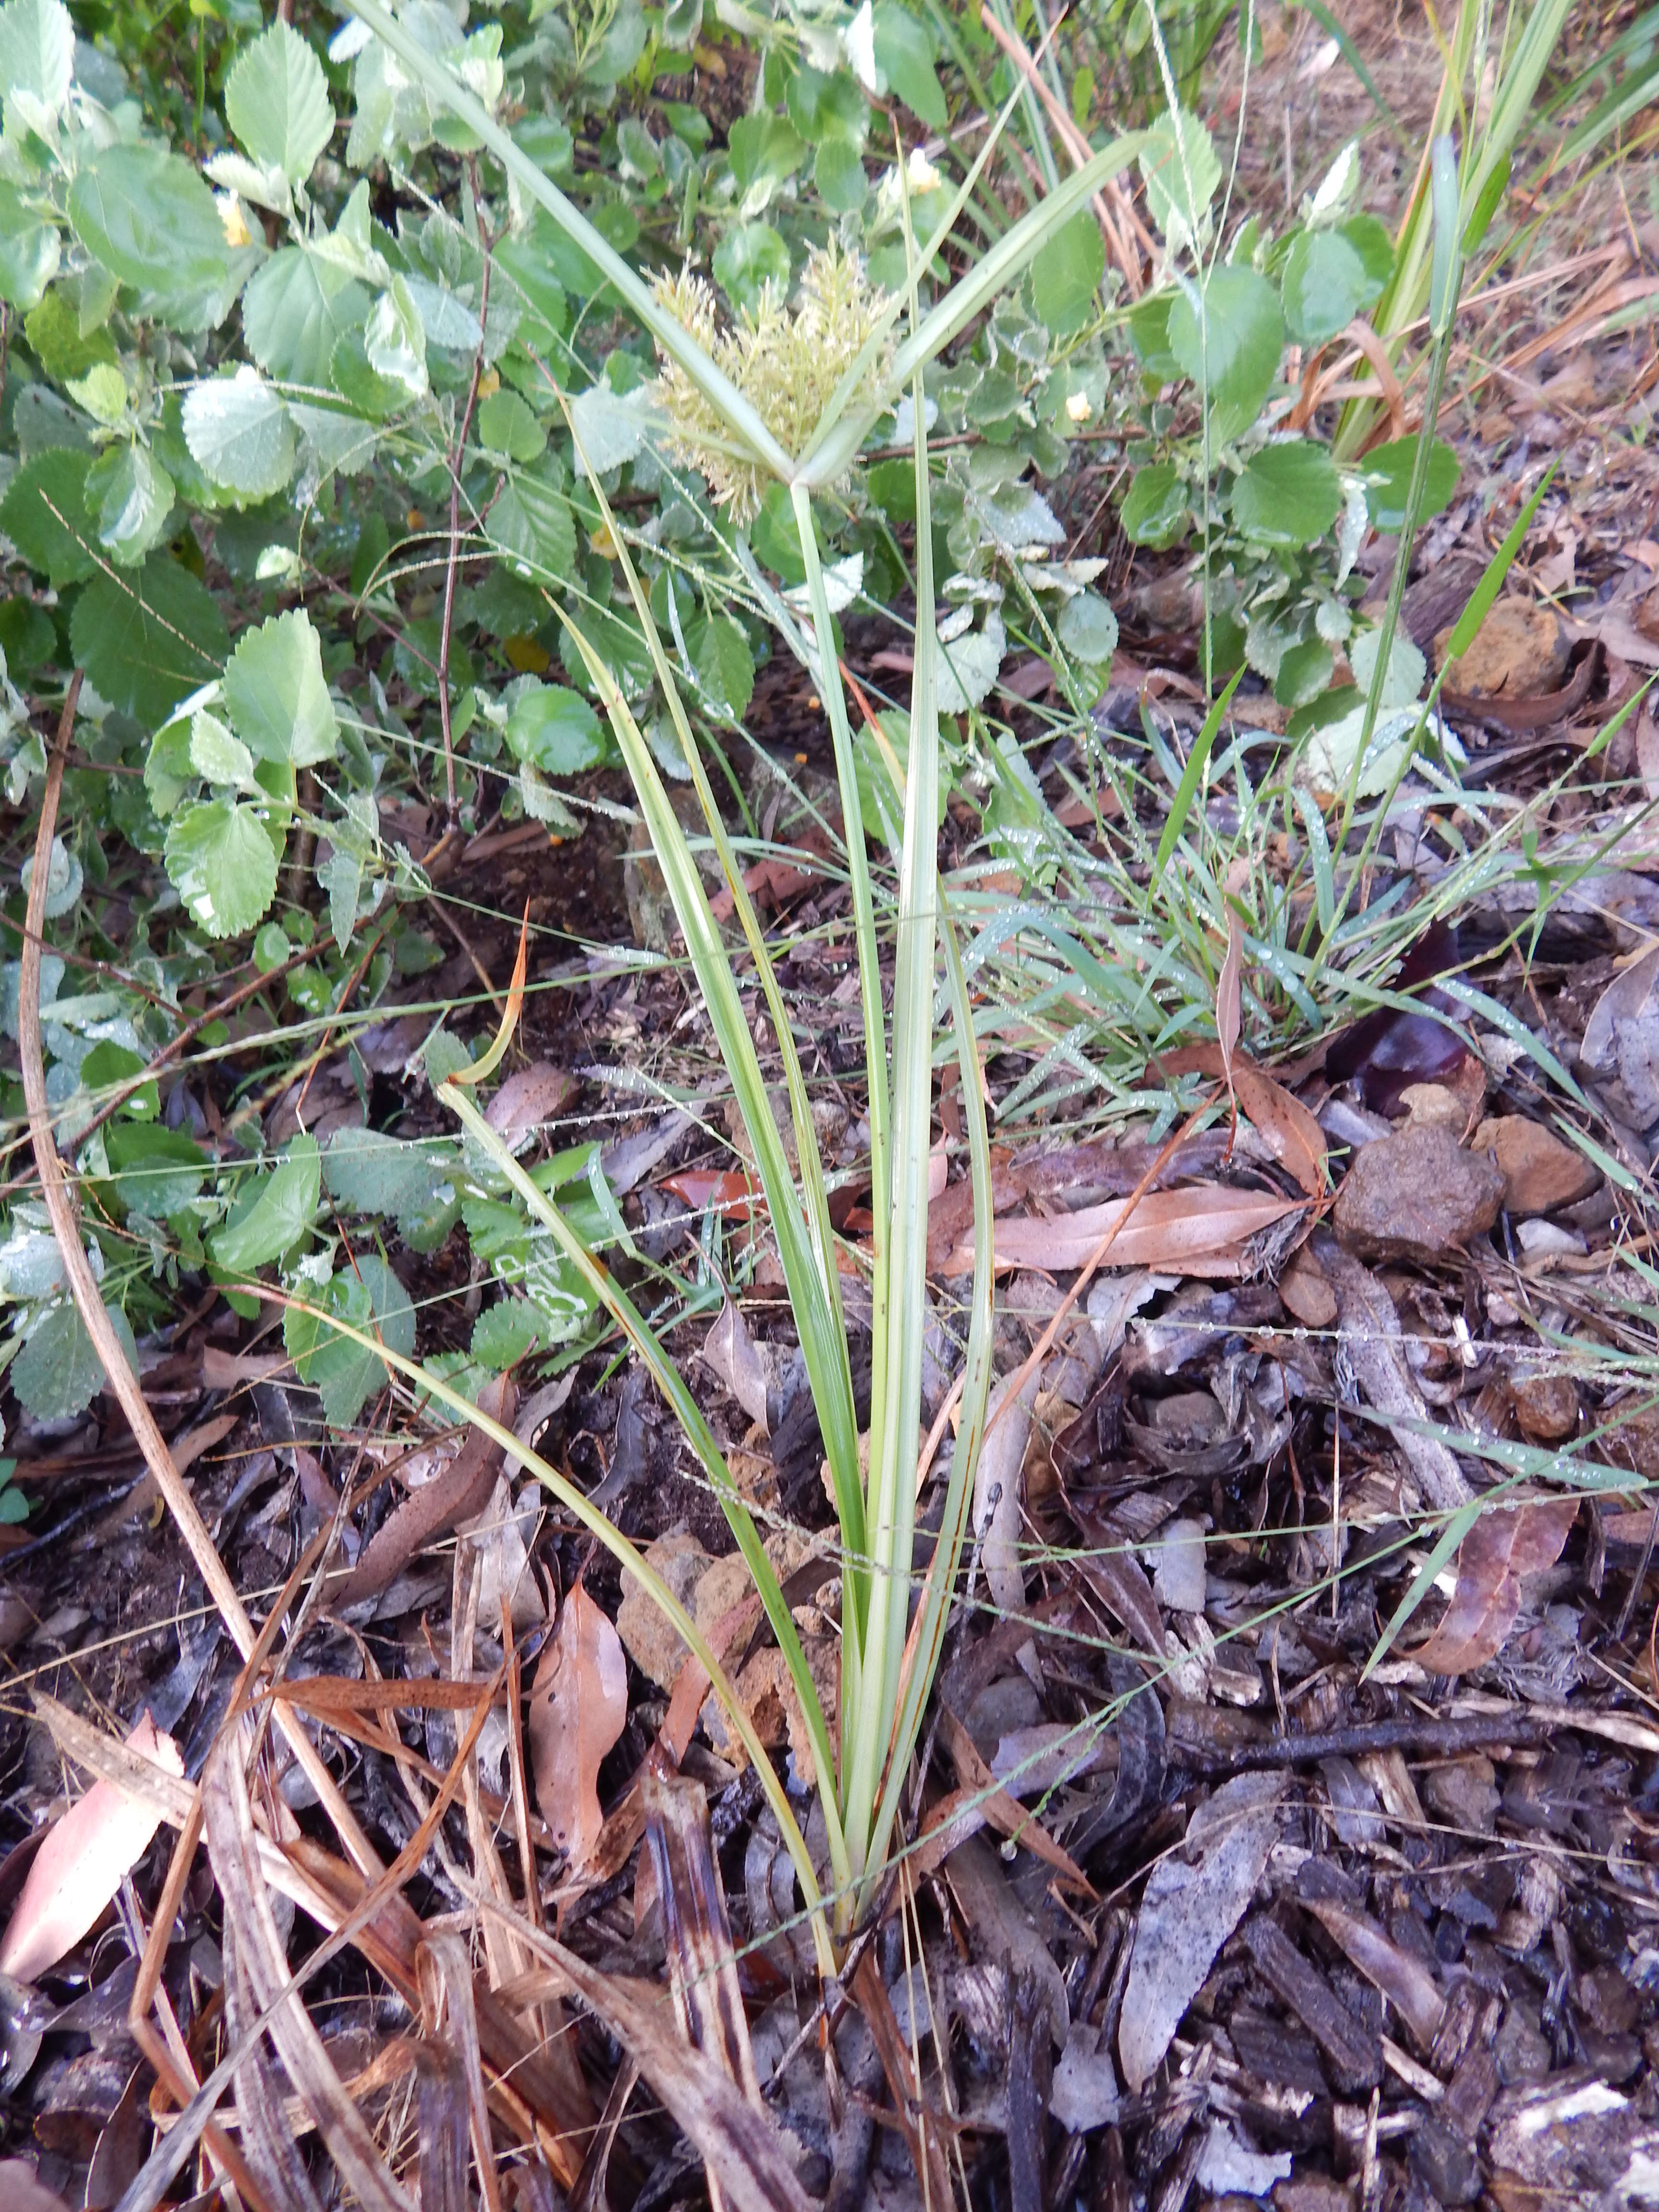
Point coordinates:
[[578, 1709]]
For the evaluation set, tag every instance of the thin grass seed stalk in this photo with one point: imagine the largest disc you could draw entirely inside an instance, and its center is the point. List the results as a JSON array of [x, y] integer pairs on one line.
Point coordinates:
[[786, 361]]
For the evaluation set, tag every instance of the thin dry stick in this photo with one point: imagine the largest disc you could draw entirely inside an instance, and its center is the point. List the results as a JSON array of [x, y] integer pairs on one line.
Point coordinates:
[[1113, 210], [60, 1208]]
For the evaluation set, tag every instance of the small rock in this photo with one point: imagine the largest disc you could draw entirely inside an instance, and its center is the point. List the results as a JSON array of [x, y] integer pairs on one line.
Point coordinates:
[[650, 1640], [1465, 1792], [1416, 1195], [1308, 1297], [1431, 1106], [1540, 1172], [1519, 651], [1546, 1407], [1538, 1239]]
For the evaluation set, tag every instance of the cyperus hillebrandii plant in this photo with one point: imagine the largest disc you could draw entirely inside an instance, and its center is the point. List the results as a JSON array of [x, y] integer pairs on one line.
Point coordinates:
[[888, 1656]]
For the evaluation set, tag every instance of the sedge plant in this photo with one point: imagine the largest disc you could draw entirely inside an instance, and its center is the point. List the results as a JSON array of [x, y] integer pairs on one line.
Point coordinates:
[[893, 1620]]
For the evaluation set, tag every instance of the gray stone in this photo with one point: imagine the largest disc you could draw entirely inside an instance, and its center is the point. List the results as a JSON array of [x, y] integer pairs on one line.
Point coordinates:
[[1417, 1195]]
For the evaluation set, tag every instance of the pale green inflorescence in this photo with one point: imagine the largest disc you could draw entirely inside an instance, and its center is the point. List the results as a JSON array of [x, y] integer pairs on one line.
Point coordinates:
[[787, 362]]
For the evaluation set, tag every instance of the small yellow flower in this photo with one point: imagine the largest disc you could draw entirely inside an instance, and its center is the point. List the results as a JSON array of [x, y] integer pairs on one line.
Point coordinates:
[[489, 383], [1078, 407], [923, 176], [232, 221]]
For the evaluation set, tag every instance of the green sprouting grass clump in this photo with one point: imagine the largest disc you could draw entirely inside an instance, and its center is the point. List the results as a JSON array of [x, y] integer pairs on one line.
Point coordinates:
[[787, 362]]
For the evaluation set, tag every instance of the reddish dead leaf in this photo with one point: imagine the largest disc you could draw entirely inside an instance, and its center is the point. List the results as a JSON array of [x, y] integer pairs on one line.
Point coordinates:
[[1506, 1543], [578, 1709], [1386, 1051], [1293, 1134], [732, 1192], [80, 1866]]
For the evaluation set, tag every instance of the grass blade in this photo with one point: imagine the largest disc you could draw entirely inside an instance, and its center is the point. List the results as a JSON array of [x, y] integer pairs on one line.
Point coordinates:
[[1196, 760]]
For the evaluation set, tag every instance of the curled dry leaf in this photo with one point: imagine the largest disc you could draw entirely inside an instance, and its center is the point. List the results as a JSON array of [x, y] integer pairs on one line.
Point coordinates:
[[731, 1355], [80, 1866], [578, 1709], [461, 1490], [1507, 1542]]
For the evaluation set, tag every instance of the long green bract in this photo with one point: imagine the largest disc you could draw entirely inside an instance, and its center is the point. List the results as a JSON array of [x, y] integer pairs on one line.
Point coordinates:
[[970, 1424], [829, 455], [894, 1419]]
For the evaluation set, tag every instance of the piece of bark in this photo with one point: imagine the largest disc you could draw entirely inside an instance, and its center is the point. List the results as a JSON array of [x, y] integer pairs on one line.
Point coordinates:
[[1372, 1339], [1353, 2053]]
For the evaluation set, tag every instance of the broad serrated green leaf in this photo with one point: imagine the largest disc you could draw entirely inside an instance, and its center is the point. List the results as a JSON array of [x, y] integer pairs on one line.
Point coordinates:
[[341, 877], [30, 251], [1290, 493], [44, 516], [1066, 273], [240, 434], [277, 102], [37, 52], [839, 176], [1330, 275], [904, 52], [1388, 473], [130, 495], [58, 1374], [826, 105], [750, 256], [1087, 627], [273, 1215], [1232, 349], [1181, 173], [215, 754], [368, 1297], [220, 861], [368, 1172], [149, 218], [725, 665], [275, 694], [503, 1334], [531, 524], [1157, 507], [147, 640], [55, 338], [764, 149], [507, 425], [555, 731], [295, 310], [394, 339]]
